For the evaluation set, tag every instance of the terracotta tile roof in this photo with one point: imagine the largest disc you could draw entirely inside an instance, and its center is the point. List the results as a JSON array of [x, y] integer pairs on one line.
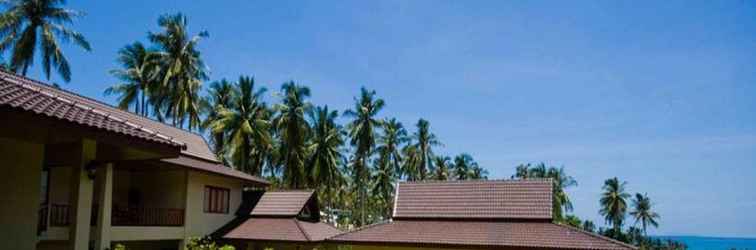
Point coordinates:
[[281, 229], [29, 96], [282, 203], [498, 199], [195, 144], [216, 168], [479, 234]]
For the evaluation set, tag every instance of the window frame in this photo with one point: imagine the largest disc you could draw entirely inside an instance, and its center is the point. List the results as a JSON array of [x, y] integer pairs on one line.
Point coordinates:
[[217, 200]]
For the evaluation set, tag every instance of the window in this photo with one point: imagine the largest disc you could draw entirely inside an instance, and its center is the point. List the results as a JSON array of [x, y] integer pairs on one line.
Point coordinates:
[[216, 200]]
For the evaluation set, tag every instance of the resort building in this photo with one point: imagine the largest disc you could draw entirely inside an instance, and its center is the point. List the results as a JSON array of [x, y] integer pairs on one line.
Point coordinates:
[[280, 220], [474, 215], [79, 174]]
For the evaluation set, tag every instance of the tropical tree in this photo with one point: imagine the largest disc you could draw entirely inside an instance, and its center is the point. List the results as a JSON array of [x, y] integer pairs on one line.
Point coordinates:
[[293, 130], [589, 226], [138, 74], [613, 203], [247, 124], [182, 72], [31, 25], [323, 164], [220, 96], [478, 173], [425, 143], [411, 164], [642, 212], [462, 166], [362, 133], [441, 168], [560, 181], [383, 185], [389, 145]]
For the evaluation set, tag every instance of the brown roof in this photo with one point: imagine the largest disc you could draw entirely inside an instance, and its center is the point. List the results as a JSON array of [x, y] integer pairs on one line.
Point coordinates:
[[195, 144], [497, 199], [24, 95], [281, 229], [478, 234], [282, 203], [30, 95], [212, 167]]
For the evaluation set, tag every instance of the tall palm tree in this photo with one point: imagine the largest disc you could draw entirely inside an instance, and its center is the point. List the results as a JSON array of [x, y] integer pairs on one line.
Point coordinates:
[[462, 166], [182, 72], [362, 133], [389, 144], [560, 181], [139, 74], [425, 141], [247, 124], [642, 212], [411, 162], [478, 172], [613, 203], [441, 168], [220, 96], [323, 164], [31, 25], [293, 130], [383, 183]]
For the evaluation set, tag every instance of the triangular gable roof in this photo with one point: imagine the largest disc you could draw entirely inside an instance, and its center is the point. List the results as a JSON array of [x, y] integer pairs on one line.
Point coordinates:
[[484, 199], [284, 203]]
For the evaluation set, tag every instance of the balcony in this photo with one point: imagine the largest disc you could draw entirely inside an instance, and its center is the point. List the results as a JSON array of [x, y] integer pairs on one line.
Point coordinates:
[[60, 215]]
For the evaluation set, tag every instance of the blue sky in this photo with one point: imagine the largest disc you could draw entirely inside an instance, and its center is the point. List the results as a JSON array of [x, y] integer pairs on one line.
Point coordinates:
[[659, 94]]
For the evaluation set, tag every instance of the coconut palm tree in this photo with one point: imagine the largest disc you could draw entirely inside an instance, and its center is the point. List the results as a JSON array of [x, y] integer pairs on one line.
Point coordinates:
[[362, 133], [425, 143], [613, 203], [589, 226], [293, 130], [642, 212], [411, 162], [323, 164], [246, 122], [182, 72], [383, 183], [441, 168], [220, 96], [478, 173], [462, 165], [28, 26], [560, 181], [389, 144], [139, 74]]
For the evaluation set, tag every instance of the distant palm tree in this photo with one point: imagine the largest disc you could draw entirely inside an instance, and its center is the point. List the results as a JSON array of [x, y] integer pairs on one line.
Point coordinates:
[[246, 122], [425, 142], [462, 166], [31, 25], [478, 173], [326, 158], [383, 184], [589, 226], [362, 133], [293, 130], [411, 163], [182, 72], [441, 168], [220, 96], [389, 144], [642, 212], [613, 203], [139, 74], [561, 181]]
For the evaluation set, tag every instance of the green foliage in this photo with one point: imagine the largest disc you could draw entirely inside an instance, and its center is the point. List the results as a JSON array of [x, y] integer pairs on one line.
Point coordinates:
[[561, 181], [614, 203], [206, 243]]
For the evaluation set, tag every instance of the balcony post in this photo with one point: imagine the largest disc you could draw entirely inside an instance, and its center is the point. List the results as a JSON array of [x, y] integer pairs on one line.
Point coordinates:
[[105, 201], [82, 188]]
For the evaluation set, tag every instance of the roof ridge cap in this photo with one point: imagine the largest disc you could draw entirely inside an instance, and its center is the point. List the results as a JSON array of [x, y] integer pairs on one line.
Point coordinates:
[[595, 235], [538, 180], [307, 236], [88, 108]]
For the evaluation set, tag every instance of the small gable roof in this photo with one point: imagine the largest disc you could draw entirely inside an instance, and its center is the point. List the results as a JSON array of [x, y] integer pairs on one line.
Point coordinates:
[[495, 199], [282, 203]]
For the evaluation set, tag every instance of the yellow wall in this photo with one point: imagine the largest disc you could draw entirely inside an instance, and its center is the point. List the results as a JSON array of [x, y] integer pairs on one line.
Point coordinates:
[[198, 223], [20, 184]]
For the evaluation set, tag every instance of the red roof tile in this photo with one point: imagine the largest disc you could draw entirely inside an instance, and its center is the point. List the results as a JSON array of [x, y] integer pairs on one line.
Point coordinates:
[[499, 199], [281, 229], [478, 234], [281, 203], [215, 168], [32, 97]]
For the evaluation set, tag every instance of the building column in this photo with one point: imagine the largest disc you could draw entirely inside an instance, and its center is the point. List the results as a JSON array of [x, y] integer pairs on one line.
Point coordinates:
[[82, 189], [105, 201]]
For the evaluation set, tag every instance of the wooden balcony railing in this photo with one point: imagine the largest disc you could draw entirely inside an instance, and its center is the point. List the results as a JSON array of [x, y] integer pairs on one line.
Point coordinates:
[[60, 215], [141, 216]]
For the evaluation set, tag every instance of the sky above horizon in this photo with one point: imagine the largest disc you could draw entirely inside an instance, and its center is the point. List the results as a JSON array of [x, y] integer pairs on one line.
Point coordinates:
[[659, 94]]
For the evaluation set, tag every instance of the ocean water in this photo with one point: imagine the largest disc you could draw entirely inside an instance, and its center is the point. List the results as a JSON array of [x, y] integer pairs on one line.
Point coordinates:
[[715, 243]]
